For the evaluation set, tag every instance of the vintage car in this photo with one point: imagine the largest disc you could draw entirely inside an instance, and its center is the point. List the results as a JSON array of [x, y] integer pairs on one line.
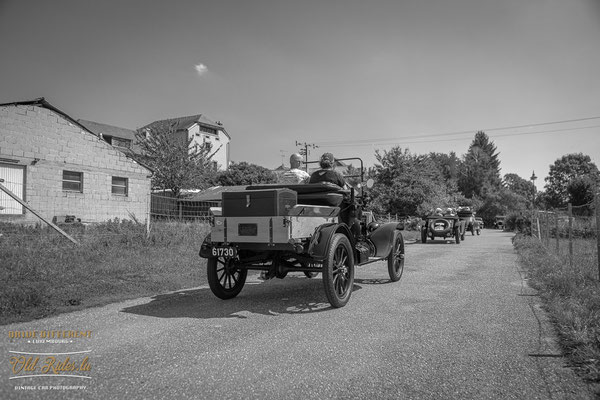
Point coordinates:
[[467, 215], [499, 222], [442, 225], [309, 228], [480, 225]]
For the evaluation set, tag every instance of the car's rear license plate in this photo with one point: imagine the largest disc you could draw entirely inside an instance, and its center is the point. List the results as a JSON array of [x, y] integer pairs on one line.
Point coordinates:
[[247, 229], [224, 251]]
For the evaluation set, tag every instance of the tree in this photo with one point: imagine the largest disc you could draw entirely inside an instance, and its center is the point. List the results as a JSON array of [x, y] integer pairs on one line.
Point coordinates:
[[563, 171], [407, 184], [523, 190], [244, 173], [175, 163], [480, 170], [581, 191]]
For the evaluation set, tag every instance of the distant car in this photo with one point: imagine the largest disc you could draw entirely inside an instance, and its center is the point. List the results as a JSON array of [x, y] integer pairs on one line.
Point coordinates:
[[444, 226], [480, 223], [499, 222]]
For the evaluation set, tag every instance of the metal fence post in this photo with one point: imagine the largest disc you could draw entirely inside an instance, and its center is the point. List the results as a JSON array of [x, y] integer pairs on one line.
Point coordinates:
[[556, 233], [597, 212], [570, 210]]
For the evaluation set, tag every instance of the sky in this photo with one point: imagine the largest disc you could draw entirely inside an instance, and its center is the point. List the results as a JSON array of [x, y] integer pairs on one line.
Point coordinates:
[[350, 76]]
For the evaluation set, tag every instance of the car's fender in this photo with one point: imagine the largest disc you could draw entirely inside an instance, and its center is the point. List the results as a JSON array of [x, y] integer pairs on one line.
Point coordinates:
[[319, 243], [205, 248], [383, 238]]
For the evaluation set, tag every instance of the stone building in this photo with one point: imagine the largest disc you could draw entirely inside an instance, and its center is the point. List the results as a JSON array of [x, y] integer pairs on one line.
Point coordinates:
[[58, 167]]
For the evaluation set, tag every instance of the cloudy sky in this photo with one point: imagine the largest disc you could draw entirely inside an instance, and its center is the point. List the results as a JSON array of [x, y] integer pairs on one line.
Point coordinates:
[[350, 76]]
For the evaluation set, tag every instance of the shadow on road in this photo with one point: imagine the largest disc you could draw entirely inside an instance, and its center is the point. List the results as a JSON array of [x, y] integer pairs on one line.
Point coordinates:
[[292, 295]]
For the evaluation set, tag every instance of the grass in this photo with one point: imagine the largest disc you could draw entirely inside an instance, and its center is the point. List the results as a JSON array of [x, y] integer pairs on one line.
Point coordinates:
[[571, 295], [44, 274]]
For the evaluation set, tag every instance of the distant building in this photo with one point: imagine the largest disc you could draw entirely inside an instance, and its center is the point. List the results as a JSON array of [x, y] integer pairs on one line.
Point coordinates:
[[59, 167], [121, 138], [201, 130]]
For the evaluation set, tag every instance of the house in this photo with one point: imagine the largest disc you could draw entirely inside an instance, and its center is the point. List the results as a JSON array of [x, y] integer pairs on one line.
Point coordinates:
[[201, 130], [59, 167]]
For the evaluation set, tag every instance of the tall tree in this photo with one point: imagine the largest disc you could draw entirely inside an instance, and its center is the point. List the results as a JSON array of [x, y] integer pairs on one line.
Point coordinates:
[[563, 171], [480, 169], [519, 186], [176, 165]]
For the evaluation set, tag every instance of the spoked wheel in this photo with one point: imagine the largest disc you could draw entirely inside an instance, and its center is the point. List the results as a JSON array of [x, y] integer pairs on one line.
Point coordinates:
[[478, 232], [396, 259], [224, 278], [338, 271]]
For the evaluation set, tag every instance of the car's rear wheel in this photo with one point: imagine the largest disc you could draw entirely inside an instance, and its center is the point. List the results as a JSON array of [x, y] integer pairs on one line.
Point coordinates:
[[424, 234], [457, 236], [396, 258], [224, 278], [338, 271]]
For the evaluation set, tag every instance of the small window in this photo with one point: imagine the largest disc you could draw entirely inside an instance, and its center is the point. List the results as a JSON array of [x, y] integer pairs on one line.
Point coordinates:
[[73, 181], [119, 186]]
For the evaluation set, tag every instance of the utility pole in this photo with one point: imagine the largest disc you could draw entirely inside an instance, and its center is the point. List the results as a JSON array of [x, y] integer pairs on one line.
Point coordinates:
[[304, 151]]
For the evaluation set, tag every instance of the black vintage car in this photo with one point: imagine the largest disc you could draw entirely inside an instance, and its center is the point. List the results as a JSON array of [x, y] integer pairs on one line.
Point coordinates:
[[438, 224], [309, 228]]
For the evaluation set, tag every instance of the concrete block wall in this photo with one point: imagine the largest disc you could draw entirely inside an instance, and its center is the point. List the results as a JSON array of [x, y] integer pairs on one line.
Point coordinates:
[[47, 143]]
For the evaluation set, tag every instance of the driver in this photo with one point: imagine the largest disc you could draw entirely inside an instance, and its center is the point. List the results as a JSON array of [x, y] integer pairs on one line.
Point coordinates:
[[327, 173]]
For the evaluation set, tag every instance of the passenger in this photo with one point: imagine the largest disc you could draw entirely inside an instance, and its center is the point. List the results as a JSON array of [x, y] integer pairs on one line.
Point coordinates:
[[295, 175], [449, 211], [327, 173], [438, 212]]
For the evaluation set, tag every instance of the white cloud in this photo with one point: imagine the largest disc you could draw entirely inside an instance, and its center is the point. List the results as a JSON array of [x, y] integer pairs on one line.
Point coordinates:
[[201, 69]]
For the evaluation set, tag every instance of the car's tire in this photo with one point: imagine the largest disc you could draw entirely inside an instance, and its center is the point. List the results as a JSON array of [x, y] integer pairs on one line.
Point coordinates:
[[478, 232], [225, 280], [424, 235], [457, 236], [338, 271], [310, 274], [396, 258], [462, 236]]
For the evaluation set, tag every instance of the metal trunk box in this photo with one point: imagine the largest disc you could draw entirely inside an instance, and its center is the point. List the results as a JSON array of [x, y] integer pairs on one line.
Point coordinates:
[[258, 203]]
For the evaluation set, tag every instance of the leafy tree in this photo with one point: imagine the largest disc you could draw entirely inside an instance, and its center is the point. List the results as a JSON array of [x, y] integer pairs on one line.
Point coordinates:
[[244, 173], [175, 163], [581, 191], [448, 165], [563, 171], [480, 170], [407, 184], [524, 189]]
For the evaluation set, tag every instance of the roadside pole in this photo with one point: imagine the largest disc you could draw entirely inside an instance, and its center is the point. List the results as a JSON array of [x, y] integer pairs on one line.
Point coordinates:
[[570, 211], [597, 212]]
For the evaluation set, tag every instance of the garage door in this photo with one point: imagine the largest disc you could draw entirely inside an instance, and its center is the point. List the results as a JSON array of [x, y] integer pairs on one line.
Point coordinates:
[[14, 180]]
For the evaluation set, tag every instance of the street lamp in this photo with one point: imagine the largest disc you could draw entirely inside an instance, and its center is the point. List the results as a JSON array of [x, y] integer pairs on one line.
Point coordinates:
[[533, 178]]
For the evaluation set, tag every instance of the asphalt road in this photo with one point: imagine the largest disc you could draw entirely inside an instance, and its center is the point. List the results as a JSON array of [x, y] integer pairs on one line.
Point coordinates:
[[460, 324]]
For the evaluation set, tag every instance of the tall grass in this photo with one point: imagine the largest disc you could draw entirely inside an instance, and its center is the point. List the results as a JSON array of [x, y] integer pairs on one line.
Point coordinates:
[[572, 296], [43, 273]]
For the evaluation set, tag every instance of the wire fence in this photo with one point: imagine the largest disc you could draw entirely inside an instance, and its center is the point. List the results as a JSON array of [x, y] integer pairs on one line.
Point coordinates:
[[572, 235]]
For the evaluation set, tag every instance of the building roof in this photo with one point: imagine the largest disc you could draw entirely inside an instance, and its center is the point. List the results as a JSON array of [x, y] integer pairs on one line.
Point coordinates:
[[186, 123], [108, 130], [41, 102]]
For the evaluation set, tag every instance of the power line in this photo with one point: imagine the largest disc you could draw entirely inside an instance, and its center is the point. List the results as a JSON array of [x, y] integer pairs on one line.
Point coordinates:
[[396, 139], [351, 143]]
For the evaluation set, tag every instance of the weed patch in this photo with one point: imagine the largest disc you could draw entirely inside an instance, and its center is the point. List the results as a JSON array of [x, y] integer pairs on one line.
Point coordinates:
[[45, 274], [572, 297]]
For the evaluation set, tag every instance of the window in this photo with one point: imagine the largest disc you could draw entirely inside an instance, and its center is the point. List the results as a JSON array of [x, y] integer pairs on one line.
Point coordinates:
[[208, 129], [13, 178], [119, 186], [73, 181]]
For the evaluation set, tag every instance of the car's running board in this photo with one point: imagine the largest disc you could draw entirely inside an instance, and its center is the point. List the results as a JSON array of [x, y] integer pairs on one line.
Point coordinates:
[[372, 260]]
